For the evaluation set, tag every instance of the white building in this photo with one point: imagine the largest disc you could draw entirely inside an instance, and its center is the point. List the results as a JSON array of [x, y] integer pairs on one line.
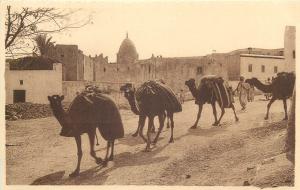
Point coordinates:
[[27, 85]]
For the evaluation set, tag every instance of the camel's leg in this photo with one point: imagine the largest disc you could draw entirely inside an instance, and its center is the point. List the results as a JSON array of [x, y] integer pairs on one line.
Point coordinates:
[[106, 155], [198, 117], [150, 124], [213, 104], [153, 128], [161, 118], [142, 124], [268, 107], [172, 128], [285, 109], [91, 135], [222, 113], [233, 108], [137, 130], [79, 155], [168, 122], [111, 157]]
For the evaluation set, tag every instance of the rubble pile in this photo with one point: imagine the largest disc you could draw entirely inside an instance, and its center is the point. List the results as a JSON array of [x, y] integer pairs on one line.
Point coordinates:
[[28, 111]]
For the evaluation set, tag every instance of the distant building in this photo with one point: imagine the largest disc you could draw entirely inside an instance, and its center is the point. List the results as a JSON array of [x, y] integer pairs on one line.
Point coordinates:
[[32, 79], [248, 62], [127, 52]]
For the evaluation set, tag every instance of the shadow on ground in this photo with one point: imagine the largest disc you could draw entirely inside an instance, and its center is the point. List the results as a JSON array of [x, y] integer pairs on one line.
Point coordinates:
[[98, 175]]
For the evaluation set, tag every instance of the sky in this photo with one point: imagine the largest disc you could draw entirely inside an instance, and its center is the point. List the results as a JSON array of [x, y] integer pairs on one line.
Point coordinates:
[[181, 29]]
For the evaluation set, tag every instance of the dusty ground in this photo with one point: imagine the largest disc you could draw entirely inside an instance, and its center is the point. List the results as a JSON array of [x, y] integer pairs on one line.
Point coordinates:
[[230, 154]]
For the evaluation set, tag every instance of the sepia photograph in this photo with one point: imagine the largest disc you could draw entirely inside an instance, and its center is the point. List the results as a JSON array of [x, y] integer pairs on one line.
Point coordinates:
[[173, 93]]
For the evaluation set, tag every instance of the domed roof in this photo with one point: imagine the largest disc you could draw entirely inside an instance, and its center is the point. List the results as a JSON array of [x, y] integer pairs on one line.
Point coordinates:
[[127, 50], [127, 47]]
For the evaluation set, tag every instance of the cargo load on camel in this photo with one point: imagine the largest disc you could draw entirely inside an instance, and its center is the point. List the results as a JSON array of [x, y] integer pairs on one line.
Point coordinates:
[[219, 90], [165, 93], [85, 111]]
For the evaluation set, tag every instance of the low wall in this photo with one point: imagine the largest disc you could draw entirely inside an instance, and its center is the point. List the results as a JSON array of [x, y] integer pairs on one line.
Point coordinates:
[[71, 88]]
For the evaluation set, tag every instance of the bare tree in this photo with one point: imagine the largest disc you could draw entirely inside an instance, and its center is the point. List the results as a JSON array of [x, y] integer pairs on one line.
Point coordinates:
[[24, 24]]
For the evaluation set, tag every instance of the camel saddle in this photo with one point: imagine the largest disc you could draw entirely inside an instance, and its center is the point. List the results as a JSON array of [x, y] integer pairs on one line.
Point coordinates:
[[165, 93], [95, 108], [212, 86]]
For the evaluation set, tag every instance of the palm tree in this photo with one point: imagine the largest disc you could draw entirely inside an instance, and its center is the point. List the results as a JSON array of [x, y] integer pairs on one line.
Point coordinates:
[[43, 44]]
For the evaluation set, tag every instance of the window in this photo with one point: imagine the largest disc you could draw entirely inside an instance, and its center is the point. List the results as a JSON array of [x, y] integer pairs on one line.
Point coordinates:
[[21, 82], [62, 55], [262, 68], [128, 68], [104, 69], [275, 69], [117, 69], [294, 54], [250, 68], [199, 70]]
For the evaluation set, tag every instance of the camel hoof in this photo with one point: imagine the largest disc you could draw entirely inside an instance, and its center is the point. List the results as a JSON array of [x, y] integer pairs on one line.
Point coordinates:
[[134, 135], [105, 163], [215, 124], [74, 174], [266, 118], [147, 150], [236, 119], [284, 119], [171, 141], [99, 161], [194, 127], [110, 158], [154, 142]]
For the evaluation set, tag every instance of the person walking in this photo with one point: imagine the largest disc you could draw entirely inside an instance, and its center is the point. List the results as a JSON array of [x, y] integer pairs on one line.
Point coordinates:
[[251, 93], [242, 90]]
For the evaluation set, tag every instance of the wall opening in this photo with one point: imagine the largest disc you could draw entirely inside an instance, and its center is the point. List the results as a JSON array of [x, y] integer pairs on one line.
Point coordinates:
[[199, 70], [275, 69], [262, 68], [19, 96], [250, 68], [294, 54], [149, 69], [104, 69], [21, 82]]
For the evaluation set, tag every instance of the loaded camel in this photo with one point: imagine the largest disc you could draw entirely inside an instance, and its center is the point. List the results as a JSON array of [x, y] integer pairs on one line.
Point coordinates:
[[135, 110], [85, 117], [149, 104], [281, 88], [211, 90]]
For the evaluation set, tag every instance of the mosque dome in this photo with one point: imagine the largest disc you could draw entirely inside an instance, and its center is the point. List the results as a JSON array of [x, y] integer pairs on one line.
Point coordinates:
[[127, 52]]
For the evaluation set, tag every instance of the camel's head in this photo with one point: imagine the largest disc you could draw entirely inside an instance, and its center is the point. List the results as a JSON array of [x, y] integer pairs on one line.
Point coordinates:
[[55, 101], [251, 81], [128, 90], [190, 83], [64, 120]]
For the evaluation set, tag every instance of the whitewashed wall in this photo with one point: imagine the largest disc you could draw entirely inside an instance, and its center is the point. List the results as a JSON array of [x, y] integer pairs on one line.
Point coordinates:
[[257, 63], [38, 84]]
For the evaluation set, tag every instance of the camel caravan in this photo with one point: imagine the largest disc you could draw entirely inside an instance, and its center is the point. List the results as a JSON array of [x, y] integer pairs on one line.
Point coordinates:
[[92, 109]]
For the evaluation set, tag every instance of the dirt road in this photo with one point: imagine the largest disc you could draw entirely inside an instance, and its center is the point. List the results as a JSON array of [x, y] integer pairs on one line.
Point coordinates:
[[209, 155]]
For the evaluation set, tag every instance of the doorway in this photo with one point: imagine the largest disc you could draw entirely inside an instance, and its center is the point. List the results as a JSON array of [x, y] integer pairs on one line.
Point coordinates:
[[19, 96]]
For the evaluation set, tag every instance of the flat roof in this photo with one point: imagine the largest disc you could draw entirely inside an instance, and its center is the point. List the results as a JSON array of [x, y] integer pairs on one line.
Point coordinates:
[[262, 56]]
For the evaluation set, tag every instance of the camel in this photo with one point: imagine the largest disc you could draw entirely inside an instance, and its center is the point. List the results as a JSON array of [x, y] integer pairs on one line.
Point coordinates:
[[206, 94], [85, 117], [136, 112], [281, 88], [149, 105]]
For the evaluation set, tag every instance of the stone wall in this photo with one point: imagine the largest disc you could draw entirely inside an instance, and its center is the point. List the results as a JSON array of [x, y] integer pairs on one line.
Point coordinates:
[[71, 88]]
